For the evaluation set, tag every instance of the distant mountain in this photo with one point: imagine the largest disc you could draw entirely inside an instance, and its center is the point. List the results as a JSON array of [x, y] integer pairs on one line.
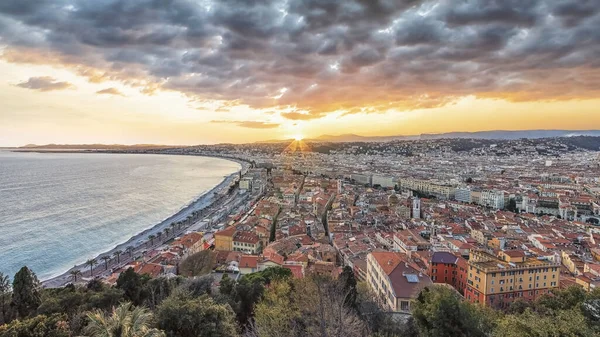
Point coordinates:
[[499, 134], [508, 135], [94, 146]]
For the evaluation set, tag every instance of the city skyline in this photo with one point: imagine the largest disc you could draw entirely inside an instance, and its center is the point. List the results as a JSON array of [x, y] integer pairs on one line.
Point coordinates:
[[204, 72]]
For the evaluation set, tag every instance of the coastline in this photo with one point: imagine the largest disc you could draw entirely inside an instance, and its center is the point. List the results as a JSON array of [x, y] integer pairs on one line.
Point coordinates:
[[138, 240]]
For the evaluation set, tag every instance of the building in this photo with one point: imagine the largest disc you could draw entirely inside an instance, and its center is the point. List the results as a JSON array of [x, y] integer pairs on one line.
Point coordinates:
[[224, 239], [247, 242], [416, 208], [492, 198], [395, 283], [383, 181], [463, 194], [246, 183], [447, 268], [499, 280]]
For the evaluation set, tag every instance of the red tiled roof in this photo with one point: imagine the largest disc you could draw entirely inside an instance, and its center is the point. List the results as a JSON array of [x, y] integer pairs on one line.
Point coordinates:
[[248, 261]]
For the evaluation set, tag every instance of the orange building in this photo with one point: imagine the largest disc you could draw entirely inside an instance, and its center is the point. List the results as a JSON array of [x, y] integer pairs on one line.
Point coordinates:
[[499, 280], [224, 238]]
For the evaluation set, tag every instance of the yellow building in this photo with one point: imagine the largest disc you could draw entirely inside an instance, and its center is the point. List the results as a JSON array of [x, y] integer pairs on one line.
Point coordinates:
[[498, 280], [224, 239]]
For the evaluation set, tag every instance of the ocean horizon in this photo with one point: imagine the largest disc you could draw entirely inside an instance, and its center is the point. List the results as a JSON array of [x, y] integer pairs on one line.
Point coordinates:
[[60, 209]]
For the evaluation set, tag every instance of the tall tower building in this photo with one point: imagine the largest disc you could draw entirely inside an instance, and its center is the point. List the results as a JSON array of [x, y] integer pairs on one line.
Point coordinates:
[[416, 208]]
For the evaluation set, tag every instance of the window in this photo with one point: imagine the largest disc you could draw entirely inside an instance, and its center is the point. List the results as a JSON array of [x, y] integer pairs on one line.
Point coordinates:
[[404, 306]]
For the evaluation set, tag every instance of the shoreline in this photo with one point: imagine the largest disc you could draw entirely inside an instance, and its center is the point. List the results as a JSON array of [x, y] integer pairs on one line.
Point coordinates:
[[202, 201]]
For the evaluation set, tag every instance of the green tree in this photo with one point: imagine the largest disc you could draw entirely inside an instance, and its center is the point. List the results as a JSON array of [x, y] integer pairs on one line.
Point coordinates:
[[201, 263], [105, 259], [132, 284], [130, 250], [184, 316], [5, 289], [74, 274], [439, 312], [124, 321], [38, 326], [117, 254], [91, 263], [26, 292], [151, 237]]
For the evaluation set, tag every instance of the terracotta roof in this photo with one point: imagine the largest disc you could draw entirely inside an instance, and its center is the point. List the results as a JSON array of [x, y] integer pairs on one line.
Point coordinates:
[[247, 237], [388, 260], [248, 261], [229, 231]]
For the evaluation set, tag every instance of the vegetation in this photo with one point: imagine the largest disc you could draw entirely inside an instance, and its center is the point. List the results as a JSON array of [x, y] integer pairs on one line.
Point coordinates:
[[271, 303], [198, 264], [124, 321]]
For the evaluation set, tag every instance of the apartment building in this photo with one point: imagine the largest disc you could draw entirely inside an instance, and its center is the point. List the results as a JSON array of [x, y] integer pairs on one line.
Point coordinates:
[[395, 283], [492, 198], [424, 186], [463, 194], [499, 280]]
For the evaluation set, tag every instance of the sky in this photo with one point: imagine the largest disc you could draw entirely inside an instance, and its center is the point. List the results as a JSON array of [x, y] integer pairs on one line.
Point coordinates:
[[203, 71]]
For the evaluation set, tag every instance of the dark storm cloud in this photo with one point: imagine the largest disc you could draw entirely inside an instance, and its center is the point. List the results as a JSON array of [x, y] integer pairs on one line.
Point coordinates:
[[317, 56], [45, 83]]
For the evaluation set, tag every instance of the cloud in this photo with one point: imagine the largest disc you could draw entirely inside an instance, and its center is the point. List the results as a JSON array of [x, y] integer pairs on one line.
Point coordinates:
[[110, 91], [249, 124], [328, 55], [44, 83], [298, 116]]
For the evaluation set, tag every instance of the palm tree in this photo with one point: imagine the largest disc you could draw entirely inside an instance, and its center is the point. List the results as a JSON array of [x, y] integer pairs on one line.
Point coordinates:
[[179, 225], [105, 258], [118, 255], [91, 263], [173, 227], [124, 321], [74, 274], [130, 250], [167, 230], [159, 235], [151, 238]]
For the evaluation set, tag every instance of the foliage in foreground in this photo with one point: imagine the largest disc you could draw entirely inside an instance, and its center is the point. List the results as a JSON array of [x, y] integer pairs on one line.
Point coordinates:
[[271, 303]]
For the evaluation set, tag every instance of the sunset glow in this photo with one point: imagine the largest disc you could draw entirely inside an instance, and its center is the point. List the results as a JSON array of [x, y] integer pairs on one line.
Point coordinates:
[[238, 71]]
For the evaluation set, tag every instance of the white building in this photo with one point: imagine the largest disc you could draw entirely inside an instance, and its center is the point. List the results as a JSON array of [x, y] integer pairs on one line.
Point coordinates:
[[383, 181], [492, 198], [463, 194], [416, 209]]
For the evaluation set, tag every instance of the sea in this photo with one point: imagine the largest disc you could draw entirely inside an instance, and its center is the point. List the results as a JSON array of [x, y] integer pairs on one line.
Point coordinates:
[[60, 209]]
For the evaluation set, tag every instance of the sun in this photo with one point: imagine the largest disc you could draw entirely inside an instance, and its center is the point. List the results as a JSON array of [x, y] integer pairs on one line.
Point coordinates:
[[298, 137]]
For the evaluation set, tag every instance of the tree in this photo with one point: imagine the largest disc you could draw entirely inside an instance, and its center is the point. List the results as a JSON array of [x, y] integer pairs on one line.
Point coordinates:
[[5, 289], [117, 254], [438, 311], [91, 263], [184, 316], [130, 250], [105, 258], [348, 284], [167, 230], [131, 283], [198, 264], [26, 292], [74, 273], [52, 326], [124, 321], [151, 237]]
